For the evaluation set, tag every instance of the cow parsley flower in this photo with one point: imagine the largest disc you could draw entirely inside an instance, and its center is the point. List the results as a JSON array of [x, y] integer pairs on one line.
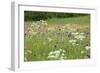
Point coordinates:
[[57, 54], [80, 36], [72, 41]]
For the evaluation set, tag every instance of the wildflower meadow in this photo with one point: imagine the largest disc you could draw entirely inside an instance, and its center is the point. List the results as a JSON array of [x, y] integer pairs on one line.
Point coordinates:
[[63, 36]]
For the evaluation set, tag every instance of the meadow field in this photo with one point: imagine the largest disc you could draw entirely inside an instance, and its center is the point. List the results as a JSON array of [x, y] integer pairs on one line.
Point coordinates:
[[57, 39]]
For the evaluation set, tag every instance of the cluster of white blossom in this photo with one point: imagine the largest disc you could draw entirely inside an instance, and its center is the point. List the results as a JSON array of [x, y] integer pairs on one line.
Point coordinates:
[[57, 54]]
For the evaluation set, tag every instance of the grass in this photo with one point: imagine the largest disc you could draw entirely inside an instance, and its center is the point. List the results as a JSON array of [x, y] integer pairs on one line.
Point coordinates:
[[57, 39], [75, 20]]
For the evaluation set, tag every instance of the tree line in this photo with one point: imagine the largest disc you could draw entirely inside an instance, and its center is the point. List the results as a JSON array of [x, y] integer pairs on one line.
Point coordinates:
[[36, 16]]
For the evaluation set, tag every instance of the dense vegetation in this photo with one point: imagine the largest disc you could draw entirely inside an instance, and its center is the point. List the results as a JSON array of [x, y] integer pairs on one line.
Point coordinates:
[[56, 36], [36, 16]]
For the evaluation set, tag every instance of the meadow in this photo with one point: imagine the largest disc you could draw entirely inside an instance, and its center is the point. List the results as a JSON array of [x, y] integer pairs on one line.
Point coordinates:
[[57, 39]]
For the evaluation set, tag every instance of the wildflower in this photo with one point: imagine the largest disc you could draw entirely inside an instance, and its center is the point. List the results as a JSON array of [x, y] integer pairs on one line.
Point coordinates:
[[87, 47], [82, 52], [77, 44], [63, 51], [51, 53], [62, 54], [69, 34], [75, 33], [57, 54], [81, 33], [87, 33], [49, 39], [72, 41], [54, 54], [80, 37], [60, 49]]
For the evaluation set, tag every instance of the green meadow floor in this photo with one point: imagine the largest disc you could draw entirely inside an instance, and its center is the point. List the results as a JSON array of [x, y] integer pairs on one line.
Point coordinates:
[[57, 39]]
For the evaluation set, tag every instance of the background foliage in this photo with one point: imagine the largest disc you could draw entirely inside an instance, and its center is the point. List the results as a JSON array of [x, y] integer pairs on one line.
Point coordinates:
[[36, 16]]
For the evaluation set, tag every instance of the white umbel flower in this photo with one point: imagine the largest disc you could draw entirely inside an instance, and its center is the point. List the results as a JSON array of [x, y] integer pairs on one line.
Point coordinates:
[[72, 41], [87, 47]]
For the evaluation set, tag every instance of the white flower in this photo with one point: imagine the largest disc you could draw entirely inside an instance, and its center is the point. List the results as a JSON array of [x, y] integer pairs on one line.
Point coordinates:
[[60, 49], [57, 55], [49, 39], [58, 52], [51, 53], [75, 33], [62, 54], [82, 52], [63, 51], [80, 37], [87, 47], [81, 33], [72, 41], [77, 44]]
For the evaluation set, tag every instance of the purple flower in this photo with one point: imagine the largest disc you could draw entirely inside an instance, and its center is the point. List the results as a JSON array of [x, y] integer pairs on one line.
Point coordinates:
[[87, 33], [69, 34]]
